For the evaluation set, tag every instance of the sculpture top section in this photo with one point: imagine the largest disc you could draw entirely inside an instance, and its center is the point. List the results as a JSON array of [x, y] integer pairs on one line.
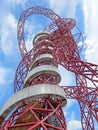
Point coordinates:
[[68, 23]]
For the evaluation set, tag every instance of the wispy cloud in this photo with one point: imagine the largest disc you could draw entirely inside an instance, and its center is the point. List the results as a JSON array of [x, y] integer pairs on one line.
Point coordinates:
[[16, 1], [5, 76], [65, 7], [74, 125], [70, 103], [8, 34], [66, 77], [6, 87], [70, 112], [90, 12]]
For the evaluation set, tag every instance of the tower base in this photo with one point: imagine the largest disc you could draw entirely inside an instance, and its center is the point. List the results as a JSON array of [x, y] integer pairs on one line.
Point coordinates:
[[44, 114]]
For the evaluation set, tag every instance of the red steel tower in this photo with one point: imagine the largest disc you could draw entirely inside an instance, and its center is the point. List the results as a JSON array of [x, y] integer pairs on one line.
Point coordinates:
[[38, 99]]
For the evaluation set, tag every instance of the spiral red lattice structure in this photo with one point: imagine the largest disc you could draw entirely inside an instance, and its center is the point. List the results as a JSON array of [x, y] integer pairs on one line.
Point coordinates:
[[55, 45]]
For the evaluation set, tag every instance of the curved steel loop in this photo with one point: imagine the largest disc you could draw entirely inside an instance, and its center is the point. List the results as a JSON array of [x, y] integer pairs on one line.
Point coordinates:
[[30, 11]]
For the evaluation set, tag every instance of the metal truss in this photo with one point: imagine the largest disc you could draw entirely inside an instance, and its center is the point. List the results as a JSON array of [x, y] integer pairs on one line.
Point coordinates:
[[39, 114]]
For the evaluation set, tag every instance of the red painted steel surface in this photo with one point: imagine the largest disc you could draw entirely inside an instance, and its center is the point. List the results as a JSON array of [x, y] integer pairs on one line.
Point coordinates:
[[46, 108], [65, 53]]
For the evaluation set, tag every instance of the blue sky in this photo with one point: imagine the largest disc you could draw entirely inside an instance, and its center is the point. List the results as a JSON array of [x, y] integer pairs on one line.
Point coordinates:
[[86, 14]]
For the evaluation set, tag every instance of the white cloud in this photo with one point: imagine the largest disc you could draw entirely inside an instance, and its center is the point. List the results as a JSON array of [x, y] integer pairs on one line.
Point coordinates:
[[64, 6], [70, 103], [91, 53], [16, 1], [67, 77], [57, 5], [70, 115], [29, 29], [8, 34], [90, 12], [74, 125], [5, 76], [6, 80]]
